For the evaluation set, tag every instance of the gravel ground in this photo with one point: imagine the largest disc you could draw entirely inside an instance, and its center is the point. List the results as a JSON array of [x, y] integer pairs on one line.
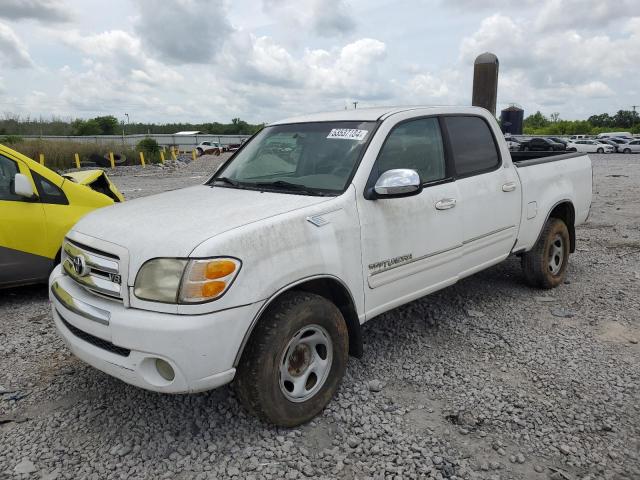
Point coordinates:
[[488, 379]]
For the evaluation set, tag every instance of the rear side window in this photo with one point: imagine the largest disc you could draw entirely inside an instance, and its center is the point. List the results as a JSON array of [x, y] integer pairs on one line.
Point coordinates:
[[472, 145], [416, 144]]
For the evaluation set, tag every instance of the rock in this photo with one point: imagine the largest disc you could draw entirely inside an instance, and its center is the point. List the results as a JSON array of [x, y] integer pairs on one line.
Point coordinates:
[[520, 458], [437, 460], [562, 313], [475, 313], [565, 449], [353, 441], [545, 299], [538, 468], [375, 386], [25, 467]]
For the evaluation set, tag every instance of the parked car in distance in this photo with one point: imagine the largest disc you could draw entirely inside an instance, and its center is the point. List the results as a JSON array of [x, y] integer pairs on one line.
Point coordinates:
[[209, 148], [632, 147], [559, 140], [606, 141], [626, 135], [285, 252], [539, 144], [589, 146], [37, 209], [512, 143]]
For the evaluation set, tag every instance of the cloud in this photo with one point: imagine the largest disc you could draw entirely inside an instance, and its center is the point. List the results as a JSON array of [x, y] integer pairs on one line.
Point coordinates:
[[351, 72], [183, 31], [583, 14], [13, 52], [43, 10], [326, 18]]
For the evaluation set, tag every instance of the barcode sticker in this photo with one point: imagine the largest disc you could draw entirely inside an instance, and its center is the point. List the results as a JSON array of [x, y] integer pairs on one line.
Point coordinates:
[[348, 134]]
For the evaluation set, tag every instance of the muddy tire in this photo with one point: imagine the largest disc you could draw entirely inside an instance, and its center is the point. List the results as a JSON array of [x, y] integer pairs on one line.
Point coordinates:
[[545, 265], [294, 361]]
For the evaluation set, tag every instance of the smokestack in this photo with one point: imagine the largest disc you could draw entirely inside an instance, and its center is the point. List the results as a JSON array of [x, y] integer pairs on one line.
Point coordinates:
[[485, 82]]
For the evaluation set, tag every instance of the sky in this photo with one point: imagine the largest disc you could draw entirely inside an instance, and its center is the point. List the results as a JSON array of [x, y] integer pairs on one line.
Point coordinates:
[[262, 60]]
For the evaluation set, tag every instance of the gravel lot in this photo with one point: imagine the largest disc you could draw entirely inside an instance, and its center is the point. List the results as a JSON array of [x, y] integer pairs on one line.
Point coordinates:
[[488, 379]]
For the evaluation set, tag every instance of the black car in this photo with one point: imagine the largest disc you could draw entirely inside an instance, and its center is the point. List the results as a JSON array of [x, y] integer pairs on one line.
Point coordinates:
[[559, 140], [541, 144]]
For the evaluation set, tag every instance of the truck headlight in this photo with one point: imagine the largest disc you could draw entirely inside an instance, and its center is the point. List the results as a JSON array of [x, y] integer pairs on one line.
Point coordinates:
[[172, 280]]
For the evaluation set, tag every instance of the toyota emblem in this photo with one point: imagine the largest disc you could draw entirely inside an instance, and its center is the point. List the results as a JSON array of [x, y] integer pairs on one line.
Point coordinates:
[[79, 265]]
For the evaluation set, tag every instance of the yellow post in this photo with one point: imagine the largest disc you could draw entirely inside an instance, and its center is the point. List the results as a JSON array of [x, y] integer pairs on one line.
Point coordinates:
[[42, 159], [142, 159], [113, 163], [173, 154], [193, 154], [77, 157], [162, 155]]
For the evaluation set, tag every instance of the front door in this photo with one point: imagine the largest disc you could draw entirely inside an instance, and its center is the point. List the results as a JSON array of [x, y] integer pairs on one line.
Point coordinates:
[[410, 245], [23, 234]]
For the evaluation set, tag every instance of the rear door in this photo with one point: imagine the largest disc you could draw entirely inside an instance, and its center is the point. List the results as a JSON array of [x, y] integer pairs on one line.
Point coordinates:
[[410, 245], [23, 233], [489, 189]]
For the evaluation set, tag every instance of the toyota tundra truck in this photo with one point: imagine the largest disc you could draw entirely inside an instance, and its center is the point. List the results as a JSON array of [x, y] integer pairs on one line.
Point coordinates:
[[263, 275]]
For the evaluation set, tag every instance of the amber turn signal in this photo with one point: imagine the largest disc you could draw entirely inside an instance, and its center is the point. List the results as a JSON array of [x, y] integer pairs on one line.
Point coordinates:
[[219, 269]]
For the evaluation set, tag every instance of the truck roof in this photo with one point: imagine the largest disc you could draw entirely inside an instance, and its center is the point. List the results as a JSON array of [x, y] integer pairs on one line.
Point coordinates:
[[373, 114]]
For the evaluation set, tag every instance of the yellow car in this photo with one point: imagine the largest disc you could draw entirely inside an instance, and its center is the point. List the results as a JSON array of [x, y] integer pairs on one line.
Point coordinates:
[[37, 209]]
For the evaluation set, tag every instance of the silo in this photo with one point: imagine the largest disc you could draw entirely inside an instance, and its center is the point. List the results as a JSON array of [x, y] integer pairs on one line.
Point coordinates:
[[511, 119], [485, 82]]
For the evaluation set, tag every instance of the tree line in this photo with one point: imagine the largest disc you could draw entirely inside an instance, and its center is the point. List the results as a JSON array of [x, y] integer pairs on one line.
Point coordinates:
[[109, 125], [623, 120]]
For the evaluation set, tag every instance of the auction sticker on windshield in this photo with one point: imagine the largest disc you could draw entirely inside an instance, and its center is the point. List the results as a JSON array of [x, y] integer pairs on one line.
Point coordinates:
[[348, 134]]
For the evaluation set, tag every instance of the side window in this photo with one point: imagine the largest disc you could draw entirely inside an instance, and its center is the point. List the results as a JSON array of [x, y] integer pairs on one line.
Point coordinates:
[[8, 170], [416, 144], [472, 144], [48, 192]]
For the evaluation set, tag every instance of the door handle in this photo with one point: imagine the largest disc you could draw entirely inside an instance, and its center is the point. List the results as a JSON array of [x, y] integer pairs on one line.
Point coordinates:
[[509, 187], [446, 204]]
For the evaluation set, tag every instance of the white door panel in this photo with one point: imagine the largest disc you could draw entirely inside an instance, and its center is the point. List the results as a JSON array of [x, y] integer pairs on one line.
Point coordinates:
[[409, 247], [490, 217]]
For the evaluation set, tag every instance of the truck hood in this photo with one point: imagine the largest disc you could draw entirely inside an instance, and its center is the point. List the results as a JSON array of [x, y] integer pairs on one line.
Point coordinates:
[[172, 224]]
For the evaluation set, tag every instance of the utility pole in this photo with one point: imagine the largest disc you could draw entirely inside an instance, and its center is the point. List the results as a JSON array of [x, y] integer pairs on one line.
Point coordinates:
[[633, 118], [355, 105]]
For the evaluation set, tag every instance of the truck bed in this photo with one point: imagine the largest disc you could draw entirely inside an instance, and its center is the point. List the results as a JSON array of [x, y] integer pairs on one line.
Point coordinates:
[[526, 159]]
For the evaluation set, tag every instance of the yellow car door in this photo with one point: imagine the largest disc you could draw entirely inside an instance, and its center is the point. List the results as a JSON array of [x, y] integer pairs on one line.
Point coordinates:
[[23, 230]]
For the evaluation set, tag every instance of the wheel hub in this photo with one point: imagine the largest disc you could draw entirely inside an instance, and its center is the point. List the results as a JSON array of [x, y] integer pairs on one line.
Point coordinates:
[[556, 255], [305, 363]]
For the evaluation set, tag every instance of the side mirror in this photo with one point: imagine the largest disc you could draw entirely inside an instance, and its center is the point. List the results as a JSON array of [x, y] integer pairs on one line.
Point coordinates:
[[22, 186], [400, 182]]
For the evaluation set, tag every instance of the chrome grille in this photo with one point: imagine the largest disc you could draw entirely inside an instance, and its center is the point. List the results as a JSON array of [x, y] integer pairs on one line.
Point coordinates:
[[95, 270]]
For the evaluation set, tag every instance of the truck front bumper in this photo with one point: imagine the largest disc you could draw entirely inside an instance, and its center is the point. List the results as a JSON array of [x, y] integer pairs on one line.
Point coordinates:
[[156, 351]]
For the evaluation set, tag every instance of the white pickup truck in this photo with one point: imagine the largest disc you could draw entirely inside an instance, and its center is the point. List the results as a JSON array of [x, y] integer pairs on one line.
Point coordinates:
[[265, 274]]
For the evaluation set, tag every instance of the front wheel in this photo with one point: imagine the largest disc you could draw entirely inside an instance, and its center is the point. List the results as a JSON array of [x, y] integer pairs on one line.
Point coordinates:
[[626, 150], [199, 151], [601, 150], [294, 361], [545, 265]]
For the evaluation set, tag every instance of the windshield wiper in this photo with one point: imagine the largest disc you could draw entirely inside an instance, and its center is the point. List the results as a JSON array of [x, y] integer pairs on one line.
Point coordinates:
[[226, 180], [292, 187]]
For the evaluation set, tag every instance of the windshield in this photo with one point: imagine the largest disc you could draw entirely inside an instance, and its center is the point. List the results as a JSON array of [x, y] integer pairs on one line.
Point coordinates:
[[304, 158]]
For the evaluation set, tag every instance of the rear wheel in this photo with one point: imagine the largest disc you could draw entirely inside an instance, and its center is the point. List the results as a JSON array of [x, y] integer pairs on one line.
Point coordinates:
[[526, 149], [294, 361], [545, 265], [626, 150], [199, 151]]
